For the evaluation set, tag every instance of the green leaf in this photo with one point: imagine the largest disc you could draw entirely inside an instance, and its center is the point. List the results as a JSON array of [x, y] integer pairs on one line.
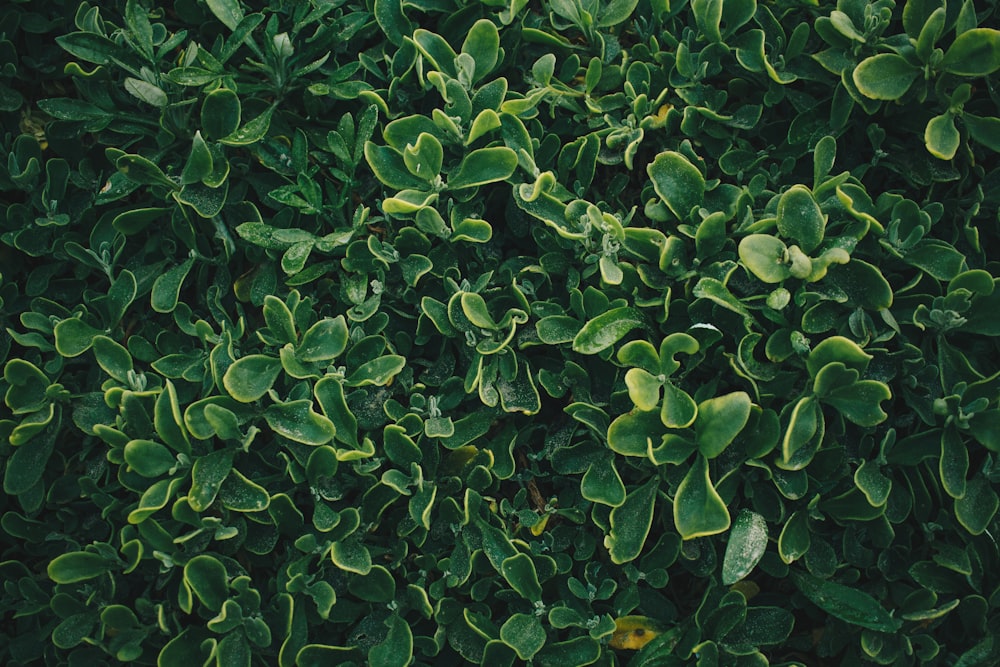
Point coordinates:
[[846, 603], [520, 573], [207, 475], [279, 320], [799, 218], [396, 650], [886, 76], [26, 465], [113, 358], [678, 183], [390, 17], [69, 568], [220, 113], [351, 556], [239, 494], [863, 283], [252, 132], [228, 12], [720, 420], [140, 170], [148, 458], [860, 401], [89, 46], [607, 329], [837, 348], [146, 92], [954, 463], [423, 158], [296, 420], [765, 256], [523, 633], [746, 546], [802, 427], [983, 130], [679, 410], [795, 538], [199, 162], [251, 377], [27, 389], [378, 372], [557, 329], [484, 165], [483, 44], [630, 433], [699, 511], [186, 649], [643, 388], [631, 522], [390, 168], [602, 484], [73, 337], [614, 12], [976, 509], [942, 137], [323, 341], [206, 201], [206, 577], [975, 52], [871, 482], [167, 287]]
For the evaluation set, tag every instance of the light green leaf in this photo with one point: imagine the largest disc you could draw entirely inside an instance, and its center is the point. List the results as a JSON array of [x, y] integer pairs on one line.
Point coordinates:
[[720, 420], [975, 52], [643, 388], [942, 137], [484, 165], [699, 510], [251, 377], [886, 76], [607, 329]]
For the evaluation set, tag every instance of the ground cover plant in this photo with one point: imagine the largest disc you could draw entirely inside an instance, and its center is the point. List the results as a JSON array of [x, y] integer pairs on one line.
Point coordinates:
[[564, 332]]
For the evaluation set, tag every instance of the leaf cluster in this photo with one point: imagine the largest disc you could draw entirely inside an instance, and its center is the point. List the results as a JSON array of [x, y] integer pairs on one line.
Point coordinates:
[[612, 332]]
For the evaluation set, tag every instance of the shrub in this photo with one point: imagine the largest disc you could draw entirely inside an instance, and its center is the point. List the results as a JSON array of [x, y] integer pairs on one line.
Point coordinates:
[[565, 333]]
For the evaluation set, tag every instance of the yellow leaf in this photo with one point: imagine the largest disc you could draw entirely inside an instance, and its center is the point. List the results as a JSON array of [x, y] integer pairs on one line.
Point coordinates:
[[633, 632]]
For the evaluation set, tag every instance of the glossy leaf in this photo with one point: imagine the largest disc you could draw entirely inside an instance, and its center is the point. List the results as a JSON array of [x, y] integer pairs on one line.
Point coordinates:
[[699, 511], [746, 546], [607, 329]]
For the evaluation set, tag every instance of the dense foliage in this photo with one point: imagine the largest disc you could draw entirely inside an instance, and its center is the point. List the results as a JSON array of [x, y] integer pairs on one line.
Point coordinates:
[[639, 332]]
